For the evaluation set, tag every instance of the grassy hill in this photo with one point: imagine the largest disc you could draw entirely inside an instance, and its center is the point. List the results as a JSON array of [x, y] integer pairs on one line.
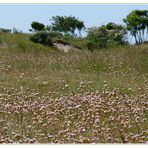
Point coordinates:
[[29, 65], [29, 70]]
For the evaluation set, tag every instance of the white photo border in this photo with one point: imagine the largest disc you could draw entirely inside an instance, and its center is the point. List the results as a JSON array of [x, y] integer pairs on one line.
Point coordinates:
[[74, 1]]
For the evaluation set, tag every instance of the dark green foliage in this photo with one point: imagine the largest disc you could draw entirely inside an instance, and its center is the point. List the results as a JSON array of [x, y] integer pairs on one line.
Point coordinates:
[[112, 44], [66, 25], [91, 45], [37, 26], [42, 38], [45, 38], [5, 30], [137, 25]]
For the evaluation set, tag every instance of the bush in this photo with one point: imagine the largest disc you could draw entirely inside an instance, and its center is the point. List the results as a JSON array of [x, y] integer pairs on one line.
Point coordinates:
[[112, 44], [91, 45], [54, 34], [102, 43], [42, 38], [5, 30], [105, 35]]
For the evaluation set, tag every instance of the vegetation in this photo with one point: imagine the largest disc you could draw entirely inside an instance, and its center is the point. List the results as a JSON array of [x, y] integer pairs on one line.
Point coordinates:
[[5, 30], [42, 38], [137, 25], [105, 34], [79, 97], [109, 35], [66, 24], [49, 96], [36, 26]]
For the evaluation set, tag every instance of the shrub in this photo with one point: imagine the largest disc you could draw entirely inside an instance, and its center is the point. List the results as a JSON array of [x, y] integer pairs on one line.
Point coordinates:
[[91, 45], [111, 33], [54, 34], [112, 43], [42, 38], [5, 30]]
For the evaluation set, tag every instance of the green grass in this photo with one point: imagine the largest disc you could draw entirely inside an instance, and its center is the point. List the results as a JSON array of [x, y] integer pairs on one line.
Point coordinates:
[[48, 96], [123, 67]]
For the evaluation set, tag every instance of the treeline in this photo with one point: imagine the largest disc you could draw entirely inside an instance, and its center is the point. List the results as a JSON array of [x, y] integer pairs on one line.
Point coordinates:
[[135, 26], [69, 26], [14, 30]]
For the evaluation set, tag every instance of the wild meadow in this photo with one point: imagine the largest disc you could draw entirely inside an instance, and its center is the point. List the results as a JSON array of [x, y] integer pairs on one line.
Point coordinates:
[[48, 96]]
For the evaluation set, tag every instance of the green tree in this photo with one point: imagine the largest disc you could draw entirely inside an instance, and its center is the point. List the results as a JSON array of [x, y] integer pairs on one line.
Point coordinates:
[[67, 25], [36, 26], [137, 24]]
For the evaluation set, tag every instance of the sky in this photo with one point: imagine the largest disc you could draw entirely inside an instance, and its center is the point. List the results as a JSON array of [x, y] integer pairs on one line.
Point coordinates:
[[21, 15]]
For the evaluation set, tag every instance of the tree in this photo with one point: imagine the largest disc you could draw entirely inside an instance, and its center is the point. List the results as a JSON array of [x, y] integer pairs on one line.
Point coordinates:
[[37, 26], [80, 25], [67, 25], [137, 24], [109, 33]]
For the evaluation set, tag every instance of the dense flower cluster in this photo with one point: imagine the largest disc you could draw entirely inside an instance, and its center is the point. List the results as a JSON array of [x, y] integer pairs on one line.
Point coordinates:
[[108, 117]]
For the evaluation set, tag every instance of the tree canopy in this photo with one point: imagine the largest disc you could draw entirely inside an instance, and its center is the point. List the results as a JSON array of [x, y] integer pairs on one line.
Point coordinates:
[[67, 24], [36, 26], [137, 25]]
